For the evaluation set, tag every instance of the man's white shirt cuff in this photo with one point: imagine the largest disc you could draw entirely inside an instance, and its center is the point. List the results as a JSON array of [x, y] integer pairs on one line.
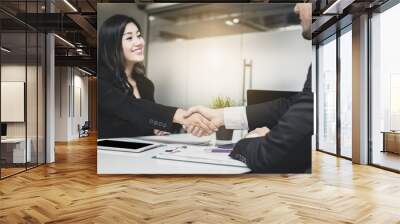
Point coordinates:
[[235, 118]]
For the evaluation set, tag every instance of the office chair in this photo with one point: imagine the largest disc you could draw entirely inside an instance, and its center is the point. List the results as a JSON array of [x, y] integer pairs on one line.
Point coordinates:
[[84, 130]]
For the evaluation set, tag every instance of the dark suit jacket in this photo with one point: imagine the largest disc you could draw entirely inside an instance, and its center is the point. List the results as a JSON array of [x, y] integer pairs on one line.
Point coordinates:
[[287, 147], [122, 115]]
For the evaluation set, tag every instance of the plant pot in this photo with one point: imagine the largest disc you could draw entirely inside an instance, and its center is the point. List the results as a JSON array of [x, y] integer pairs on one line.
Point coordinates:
[[224, 134]]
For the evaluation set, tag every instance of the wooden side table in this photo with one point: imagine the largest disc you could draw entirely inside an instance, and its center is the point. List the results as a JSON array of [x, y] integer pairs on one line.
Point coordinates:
[[391, 141]]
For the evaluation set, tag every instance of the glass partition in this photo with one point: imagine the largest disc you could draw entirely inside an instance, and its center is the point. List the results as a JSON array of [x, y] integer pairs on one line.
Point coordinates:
[[327, 96], [346, 93], [41, 96], [14, 154], [385, 89], [22, 90], [31, 100]]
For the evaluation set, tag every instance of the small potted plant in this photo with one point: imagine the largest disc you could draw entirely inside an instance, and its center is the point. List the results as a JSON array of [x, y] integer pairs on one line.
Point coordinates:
[[221, 102]]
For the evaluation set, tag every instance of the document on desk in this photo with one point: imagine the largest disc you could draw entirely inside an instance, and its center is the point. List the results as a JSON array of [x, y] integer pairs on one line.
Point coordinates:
[[201, 157], [187, 139]]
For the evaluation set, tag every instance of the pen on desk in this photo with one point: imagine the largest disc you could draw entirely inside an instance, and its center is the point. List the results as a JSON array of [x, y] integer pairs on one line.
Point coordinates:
[[218, 150], [176, 149], [221, 150], [226, 146]]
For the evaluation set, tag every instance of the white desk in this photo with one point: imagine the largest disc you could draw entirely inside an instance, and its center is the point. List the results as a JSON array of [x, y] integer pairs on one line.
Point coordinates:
[[18, 151], [113, 162]]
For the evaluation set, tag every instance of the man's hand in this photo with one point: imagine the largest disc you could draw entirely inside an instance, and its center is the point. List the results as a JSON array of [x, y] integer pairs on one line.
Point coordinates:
[[258, 132], [160, 133], [216, 116], [198, 124]]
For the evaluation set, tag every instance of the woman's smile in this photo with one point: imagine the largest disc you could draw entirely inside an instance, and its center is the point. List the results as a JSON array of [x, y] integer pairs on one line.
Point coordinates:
[[138, 51]]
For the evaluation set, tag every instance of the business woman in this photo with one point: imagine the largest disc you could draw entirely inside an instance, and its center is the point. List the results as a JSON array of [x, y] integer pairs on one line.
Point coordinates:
[[126, 106]]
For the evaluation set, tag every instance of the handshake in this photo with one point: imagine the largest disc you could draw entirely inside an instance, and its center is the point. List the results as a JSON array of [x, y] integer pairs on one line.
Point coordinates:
[[200, 120]]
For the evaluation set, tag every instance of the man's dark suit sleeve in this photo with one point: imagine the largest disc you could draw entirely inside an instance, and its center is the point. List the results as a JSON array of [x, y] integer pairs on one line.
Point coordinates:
[[281, 149], [266, 114], [287, 147], [138, 112]]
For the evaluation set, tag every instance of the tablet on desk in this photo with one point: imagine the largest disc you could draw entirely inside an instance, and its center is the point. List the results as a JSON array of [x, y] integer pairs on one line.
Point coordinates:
[[126, 146]]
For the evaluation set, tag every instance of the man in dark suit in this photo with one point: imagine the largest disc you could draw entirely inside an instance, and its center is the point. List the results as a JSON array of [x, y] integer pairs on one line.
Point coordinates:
[[281, 138]]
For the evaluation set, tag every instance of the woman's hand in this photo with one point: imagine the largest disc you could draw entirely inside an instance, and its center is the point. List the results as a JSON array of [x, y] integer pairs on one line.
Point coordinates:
[[160, 133], [195, 121], [258, 132]]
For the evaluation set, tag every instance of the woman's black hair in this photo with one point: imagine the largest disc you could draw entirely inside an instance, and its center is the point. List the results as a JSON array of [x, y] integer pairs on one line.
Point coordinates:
[[111, 57]]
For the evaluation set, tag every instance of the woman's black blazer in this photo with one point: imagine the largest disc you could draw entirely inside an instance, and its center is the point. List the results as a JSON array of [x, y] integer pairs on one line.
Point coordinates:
[[122, 115]]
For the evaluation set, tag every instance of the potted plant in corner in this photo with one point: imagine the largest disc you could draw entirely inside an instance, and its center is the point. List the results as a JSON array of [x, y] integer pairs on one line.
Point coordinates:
[[223, 134]]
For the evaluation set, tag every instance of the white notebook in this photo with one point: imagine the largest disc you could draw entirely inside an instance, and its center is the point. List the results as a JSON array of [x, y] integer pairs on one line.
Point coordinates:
[[201, 157], [187, 139]]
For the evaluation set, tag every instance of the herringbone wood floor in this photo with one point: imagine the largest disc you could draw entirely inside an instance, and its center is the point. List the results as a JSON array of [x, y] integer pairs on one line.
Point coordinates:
[[70, 191]]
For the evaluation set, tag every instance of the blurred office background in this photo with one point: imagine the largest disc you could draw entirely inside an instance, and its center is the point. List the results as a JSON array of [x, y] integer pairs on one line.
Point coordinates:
[[196, 52]]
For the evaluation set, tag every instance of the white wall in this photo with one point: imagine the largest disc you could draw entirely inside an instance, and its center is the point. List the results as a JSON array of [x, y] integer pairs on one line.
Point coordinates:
[[13, 101], [61, 103], [17, 73], [34, 124], [14, 73], [68, 82], [80, 83], [281, 59], [191, 72]]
